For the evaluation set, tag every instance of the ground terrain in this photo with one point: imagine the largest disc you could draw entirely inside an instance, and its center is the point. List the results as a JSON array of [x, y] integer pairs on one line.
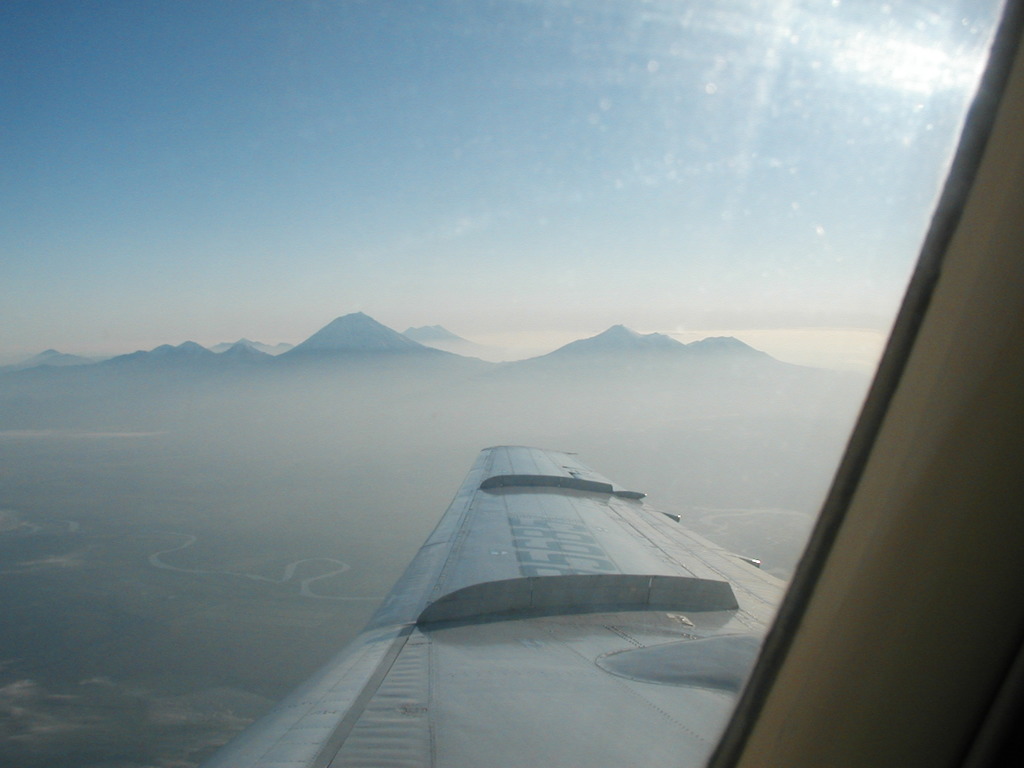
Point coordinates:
[[180, 549]]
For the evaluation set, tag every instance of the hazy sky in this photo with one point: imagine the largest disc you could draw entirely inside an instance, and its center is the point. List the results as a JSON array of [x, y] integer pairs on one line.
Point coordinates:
[[522, 172]]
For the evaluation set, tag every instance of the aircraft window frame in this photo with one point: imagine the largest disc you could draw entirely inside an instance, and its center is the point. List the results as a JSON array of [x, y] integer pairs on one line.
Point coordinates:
[[967, 160]]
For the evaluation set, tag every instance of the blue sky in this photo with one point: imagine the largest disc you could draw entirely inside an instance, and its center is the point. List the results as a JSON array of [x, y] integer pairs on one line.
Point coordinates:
[[521, 172]]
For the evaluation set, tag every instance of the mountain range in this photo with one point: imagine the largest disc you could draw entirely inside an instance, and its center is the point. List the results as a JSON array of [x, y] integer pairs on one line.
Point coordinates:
[[359, 335]]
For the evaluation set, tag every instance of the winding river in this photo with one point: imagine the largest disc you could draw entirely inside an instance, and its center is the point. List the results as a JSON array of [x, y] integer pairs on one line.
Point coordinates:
[[306, 588]]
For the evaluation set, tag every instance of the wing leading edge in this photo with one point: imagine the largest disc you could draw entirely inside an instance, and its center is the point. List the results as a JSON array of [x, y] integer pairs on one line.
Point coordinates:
[[553, 618]]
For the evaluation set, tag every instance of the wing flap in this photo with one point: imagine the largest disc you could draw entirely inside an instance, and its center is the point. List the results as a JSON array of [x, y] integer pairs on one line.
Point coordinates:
[[553, 595]]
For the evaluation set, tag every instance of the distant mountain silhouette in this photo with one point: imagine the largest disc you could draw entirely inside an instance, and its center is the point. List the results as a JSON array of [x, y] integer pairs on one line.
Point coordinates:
[[51, 357], [625, 342], [726, 345], [621, 354], [245, 351], [439, 337], [617, 351], [270, 349], [188, 353], [619, 340], [432, 334], [355, 333]]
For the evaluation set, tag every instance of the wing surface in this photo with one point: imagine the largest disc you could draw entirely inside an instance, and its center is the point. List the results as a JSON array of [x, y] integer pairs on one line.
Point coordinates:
[[552, 618]]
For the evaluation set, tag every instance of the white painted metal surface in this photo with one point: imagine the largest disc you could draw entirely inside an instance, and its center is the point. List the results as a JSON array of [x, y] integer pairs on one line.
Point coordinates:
[[507, 641]]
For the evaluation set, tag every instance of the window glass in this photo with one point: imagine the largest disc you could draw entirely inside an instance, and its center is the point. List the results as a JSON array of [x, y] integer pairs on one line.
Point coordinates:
[[184, 537]]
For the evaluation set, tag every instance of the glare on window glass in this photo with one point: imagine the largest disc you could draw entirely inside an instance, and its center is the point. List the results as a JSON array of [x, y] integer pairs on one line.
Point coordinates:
[[669, 237]]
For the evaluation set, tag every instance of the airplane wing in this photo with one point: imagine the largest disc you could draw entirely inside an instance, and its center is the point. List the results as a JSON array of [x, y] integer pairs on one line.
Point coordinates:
[[552, 618]]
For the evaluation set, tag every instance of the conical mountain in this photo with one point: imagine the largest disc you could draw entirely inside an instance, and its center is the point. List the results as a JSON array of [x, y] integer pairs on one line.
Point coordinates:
[[244, 350], [270, 349], [356, 332], [432, 334], [439, 337]]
